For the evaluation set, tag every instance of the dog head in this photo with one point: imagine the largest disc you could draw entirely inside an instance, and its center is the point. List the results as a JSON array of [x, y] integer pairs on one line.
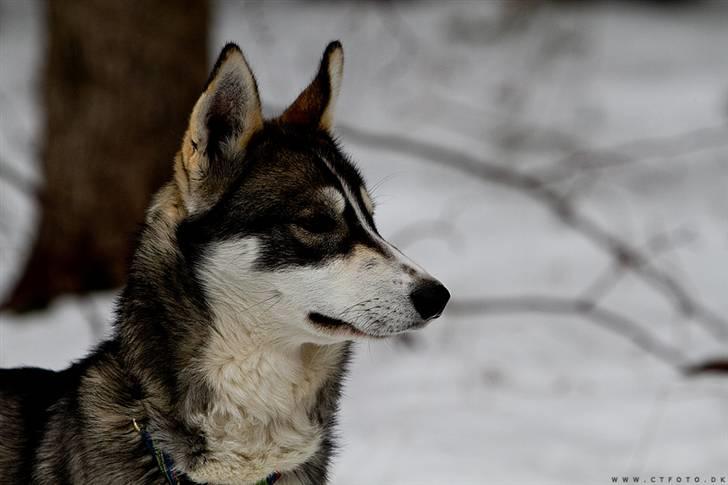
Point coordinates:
[[279, 225]]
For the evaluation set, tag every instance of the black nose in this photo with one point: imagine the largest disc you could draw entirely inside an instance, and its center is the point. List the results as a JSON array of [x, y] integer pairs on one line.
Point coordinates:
[[430, 299]]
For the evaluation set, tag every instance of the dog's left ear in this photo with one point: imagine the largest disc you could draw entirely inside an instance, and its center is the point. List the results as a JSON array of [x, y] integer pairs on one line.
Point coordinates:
[[314, 107]]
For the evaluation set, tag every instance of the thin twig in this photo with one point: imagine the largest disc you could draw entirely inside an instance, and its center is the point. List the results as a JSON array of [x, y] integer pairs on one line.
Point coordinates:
[[554, 305], [656, 245], [636, 151]]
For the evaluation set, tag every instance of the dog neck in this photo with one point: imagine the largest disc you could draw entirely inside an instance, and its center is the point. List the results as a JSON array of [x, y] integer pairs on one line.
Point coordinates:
[[228, 402], [264, 390]]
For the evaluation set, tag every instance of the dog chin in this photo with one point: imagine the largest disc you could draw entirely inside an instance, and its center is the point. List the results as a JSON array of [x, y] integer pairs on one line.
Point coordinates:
[[341, 329], [337, 328]]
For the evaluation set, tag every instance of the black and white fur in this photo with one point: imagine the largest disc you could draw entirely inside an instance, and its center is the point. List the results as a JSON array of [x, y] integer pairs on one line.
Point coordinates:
[[258, 265]]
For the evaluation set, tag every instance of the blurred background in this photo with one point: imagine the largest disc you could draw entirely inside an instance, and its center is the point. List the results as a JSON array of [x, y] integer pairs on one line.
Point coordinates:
[[561, 166]]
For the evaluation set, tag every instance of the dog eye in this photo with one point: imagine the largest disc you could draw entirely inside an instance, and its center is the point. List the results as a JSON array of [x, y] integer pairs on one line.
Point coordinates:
[[317, 224]]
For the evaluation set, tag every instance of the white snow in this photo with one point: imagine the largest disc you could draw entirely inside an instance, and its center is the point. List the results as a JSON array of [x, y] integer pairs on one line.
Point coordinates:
[[523, 399]]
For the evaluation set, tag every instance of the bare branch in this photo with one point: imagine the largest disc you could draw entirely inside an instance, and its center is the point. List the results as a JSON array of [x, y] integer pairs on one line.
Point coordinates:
[[657, 244], [636, 151], [574, 307], [717, 366]]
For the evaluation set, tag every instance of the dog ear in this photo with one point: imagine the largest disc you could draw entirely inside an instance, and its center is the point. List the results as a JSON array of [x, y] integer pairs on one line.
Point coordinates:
[[223, 120], [315, 105]]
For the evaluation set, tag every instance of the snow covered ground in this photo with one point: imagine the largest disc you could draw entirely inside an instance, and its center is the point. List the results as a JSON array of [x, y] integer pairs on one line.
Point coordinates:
[[520, 399]]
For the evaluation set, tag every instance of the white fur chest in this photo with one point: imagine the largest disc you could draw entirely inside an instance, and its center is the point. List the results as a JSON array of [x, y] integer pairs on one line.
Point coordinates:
[[259, 420]]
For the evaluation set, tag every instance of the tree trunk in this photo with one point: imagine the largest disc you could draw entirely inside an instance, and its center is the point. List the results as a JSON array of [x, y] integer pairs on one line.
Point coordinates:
[[120, 81]]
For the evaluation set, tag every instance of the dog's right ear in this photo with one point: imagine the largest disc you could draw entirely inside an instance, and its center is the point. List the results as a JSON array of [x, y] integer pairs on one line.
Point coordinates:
[[225, 117]]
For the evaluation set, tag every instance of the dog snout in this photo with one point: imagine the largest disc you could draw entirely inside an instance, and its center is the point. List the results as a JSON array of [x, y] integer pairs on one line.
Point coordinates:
[[430, 299]]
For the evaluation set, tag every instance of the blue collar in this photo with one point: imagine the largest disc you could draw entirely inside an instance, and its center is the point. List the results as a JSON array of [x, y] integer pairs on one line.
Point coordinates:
[[166, 465]]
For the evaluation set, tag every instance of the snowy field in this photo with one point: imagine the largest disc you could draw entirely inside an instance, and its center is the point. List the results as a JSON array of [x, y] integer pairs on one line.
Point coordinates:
[[527, 398]]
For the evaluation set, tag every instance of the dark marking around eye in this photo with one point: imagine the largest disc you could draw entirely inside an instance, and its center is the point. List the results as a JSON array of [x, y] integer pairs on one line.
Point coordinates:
[[317, 224]]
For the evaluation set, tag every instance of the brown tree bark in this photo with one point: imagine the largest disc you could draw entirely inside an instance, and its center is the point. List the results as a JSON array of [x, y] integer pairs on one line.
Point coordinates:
[[120, 80]]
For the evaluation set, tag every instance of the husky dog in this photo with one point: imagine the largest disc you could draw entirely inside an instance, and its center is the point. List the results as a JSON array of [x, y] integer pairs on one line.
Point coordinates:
[[257, 266]]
